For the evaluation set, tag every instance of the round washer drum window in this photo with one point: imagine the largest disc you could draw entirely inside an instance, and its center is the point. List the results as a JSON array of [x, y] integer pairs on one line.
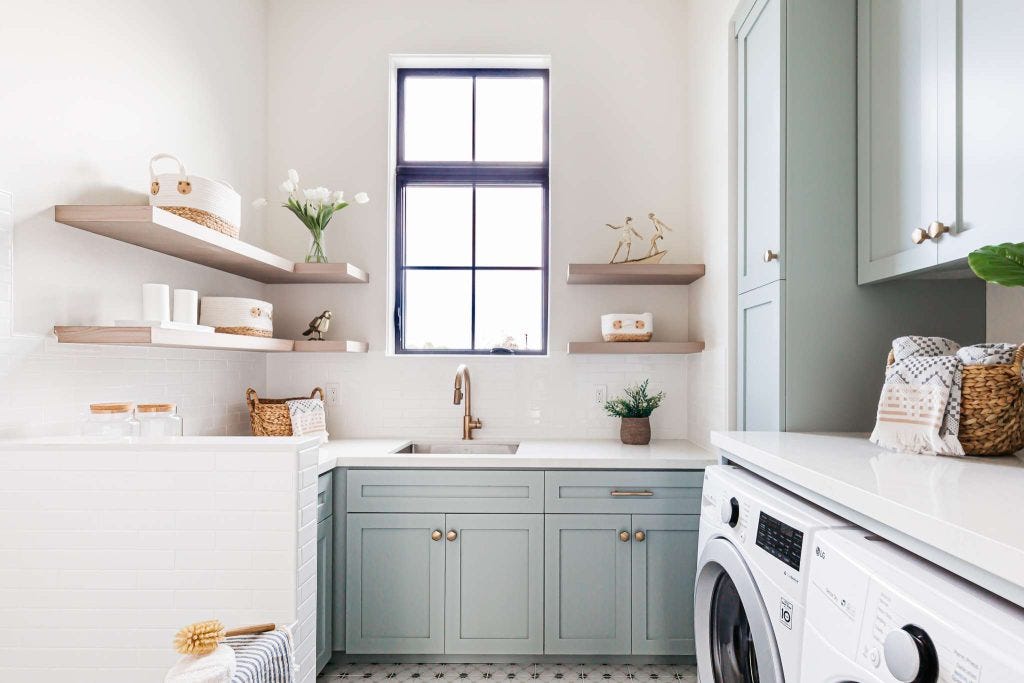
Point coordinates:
[[732, 647]]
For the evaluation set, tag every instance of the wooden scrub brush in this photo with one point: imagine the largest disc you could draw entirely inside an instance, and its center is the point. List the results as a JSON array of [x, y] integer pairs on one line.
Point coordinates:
[[202, 637]]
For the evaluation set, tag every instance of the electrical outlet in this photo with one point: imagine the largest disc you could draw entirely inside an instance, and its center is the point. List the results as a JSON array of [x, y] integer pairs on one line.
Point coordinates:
[[333, 394], [600, 394]]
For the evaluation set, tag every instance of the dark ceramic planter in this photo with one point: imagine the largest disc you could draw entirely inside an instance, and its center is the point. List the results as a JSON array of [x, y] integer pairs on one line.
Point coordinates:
[[635, 431]]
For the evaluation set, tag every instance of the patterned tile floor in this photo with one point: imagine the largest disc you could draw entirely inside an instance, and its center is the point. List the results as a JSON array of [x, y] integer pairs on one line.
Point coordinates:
[[452, 673]]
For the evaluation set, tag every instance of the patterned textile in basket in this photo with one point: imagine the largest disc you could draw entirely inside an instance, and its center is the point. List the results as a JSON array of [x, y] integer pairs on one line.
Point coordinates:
[[263, 658], [991, 407], [270, 416]]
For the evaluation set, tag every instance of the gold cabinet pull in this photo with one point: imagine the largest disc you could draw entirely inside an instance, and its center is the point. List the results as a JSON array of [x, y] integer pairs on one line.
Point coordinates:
[[919, 236], [770, 256], [624, 494], [639, 536], [436, 535], [452, 535], [937, 229], [624, 536]]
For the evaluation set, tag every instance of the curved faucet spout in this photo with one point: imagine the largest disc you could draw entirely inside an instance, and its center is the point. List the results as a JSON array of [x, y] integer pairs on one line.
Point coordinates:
[[463, 389]]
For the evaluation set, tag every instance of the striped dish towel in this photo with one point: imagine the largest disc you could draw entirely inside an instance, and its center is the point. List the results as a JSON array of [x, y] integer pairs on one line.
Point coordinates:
[[263, 658]]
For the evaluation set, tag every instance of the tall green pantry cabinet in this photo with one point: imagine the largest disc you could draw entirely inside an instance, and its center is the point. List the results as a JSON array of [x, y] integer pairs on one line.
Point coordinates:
[[811, 343]]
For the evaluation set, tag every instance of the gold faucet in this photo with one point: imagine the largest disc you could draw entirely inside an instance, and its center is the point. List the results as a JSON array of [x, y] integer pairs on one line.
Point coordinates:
[[468, 423]]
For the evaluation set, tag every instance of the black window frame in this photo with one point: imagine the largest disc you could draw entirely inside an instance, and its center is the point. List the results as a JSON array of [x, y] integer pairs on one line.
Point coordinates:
[[474, 174]]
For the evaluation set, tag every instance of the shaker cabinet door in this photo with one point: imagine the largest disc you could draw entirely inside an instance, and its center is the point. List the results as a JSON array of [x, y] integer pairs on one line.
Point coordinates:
[[664, 573], [324, 591], [494, 571], [587, 584], [760, 365], [760, 143], [992, 127], [395, 596], [906, 131]]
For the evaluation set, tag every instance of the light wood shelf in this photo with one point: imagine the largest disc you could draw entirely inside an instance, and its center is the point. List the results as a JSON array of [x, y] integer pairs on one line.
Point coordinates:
[[643, 348], [186, 339], [330, 346], [634, 273], [156, 336], [153, 228]]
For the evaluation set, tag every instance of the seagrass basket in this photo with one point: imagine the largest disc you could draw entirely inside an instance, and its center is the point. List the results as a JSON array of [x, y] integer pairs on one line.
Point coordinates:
[[269, 416], [991, 407]]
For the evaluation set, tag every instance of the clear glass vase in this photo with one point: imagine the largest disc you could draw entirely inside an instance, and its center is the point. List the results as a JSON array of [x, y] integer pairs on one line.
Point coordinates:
[[317, 250]]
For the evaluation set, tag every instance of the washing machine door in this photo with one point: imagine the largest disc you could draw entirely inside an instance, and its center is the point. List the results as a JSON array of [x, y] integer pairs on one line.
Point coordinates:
[[735, 640]]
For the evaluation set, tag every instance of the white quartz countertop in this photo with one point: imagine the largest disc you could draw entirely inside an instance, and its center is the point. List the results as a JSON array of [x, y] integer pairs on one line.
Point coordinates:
[[666, 454], [962, 513]]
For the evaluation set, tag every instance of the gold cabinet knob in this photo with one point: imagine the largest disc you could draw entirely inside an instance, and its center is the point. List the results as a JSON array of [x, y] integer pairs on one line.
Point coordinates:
[[937, 229], [436, 535], [452, 535], [624, 536], [919, 236], [640, 536], [770, 256]]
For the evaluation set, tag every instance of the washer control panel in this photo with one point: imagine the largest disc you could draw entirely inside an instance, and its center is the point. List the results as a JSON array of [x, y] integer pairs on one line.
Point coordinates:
[[780, 540]]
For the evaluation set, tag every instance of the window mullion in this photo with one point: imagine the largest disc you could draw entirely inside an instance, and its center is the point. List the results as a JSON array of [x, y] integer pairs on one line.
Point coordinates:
[[472, 274]]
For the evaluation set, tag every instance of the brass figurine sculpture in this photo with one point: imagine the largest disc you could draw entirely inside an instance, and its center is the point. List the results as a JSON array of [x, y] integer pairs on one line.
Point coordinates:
[[654, 254], [625, 239], [318, 326]]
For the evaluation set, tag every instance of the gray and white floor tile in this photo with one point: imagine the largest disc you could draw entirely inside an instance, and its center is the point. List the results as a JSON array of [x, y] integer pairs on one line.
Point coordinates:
[[525, 672]]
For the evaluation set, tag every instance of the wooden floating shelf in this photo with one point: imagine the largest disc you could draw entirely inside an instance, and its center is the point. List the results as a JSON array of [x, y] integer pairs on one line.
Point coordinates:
[[185, 339], [347, 346], [643, 348], [634, 273], [153, 228]]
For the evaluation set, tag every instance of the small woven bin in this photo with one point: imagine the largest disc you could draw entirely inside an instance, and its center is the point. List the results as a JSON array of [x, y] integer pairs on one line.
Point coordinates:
[[269, 416], [991, 407]]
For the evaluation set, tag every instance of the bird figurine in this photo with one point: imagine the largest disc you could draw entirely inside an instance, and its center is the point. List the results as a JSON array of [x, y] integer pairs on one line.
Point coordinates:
[[318, 326]]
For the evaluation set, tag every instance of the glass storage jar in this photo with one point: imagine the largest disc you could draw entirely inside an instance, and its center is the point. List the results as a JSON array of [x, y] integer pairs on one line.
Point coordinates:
[[110, 420], [158, 420]]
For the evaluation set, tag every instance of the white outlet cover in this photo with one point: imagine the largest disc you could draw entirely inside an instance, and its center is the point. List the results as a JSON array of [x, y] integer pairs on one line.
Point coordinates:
[[333, 392], [600, 394]]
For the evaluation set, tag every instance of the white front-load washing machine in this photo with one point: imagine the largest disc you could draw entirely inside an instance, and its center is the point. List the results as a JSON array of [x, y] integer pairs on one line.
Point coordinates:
[[878, 614], [755, 541]]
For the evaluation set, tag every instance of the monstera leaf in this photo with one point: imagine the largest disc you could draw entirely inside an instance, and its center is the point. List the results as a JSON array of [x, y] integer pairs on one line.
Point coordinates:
[[1002, 264]]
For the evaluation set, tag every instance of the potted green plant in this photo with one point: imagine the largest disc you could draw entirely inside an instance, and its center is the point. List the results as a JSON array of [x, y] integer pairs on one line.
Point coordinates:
[[1002, 264], [635, 409]]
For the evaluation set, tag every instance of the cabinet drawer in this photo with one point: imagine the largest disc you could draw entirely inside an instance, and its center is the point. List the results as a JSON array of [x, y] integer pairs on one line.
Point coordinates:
[[324, 496], [612, 492], [445, 491]]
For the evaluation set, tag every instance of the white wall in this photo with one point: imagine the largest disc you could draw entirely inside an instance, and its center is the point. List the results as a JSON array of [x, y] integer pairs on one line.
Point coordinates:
[[1004, 314], [618, 146], [91, 90], [710, 215]]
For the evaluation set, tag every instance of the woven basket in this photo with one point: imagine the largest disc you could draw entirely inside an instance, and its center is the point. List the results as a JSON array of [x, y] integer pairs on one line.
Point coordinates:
[[991, 407], [211, 203], [269, 416]]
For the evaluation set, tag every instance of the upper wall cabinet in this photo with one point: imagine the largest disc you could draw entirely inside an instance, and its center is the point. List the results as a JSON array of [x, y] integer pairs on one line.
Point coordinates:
[[761, 142], [918, 132]]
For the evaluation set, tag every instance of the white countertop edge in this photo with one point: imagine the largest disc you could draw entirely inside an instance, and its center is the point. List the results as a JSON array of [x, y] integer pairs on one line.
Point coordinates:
[[217, 443], [994, 565]]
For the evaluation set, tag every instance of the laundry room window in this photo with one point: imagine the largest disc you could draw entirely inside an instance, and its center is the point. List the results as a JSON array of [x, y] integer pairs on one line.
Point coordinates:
[[471, 209]]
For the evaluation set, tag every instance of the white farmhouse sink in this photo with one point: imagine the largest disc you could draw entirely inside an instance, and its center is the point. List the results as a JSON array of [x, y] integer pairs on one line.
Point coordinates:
[[459, 448]]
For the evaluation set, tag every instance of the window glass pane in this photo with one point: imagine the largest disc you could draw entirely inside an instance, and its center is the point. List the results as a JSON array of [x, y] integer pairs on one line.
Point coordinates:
[[438, 122], [508, 309], [438, 226], [437, 309], [509, 119], [509, 226]]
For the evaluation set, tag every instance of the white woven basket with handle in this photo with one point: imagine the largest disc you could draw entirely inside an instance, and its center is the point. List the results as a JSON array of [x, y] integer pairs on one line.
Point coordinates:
[[235, 315], [211, 203]]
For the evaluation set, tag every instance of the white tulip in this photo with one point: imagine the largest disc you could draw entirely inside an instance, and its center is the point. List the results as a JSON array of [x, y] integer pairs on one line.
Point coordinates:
[[288, 186], [259, 202], [310, 194], [338, 197], [293, 176], [324, 194], [362, 198], [312, 208]]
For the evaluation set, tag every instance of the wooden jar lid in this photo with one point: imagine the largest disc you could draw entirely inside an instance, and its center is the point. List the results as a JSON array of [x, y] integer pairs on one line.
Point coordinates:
[[106, 408], [154, 407]]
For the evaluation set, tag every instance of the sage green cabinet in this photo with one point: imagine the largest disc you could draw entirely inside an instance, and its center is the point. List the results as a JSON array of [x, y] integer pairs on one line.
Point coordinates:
[[494, 575], [433, 583], [620, 584], [395, 583], [324, 569]]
